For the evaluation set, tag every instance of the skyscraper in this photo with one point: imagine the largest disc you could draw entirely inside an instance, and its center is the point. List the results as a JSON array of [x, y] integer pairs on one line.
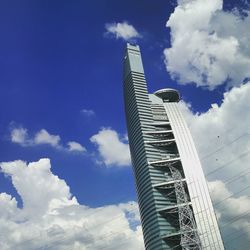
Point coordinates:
[[175, 205]]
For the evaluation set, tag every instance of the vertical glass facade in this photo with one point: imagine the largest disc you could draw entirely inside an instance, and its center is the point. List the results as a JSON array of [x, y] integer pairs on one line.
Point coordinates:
[[175, 206]]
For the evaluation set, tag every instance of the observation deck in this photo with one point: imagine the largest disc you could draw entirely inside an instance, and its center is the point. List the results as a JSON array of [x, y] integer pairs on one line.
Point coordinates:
[[168, 95]]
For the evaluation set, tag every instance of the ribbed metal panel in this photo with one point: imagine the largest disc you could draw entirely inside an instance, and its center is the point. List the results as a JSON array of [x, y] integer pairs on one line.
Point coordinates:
[[199, 194]]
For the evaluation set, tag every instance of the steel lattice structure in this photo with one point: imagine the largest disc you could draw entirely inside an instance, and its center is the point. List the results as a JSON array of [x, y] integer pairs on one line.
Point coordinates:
[[190, 239]]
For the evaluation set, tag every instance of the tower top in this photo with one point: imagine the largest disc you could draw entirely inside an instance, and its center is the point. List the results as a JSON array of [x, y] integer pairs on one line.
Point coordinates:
[[133, 46]]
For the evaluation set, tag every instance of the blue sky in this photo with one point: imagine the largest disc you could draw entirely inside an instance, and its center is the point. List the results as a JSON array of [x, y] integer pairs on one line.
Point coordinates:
[[61, 82], [56, 61]]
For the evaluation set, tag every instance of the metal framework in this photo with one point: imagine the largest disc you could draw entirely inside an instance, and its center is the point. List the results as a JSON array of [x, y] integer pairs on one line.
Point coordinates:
[[189, 236]]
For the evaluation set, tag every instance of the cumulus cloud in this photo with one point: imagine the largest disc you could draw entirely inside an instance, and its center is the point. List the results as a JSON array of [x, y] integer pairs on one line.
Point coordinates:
[[122, 30], [232, 207], [44, 137], [222, 137], [222, 133], [75, 146], [21, 136], [112, 149], [52, 218], [209, 46], [88, 112]]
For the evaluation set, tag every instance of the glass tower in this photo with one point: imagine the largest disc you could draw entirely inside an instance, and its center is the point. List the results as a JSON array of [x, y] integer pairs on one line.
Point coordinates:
[[175, 205]]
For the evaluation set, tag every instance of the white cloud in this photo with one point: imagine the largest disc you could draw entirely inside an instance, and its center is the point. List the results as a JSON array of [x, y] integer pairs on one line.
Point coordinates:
[[222, 133], [88, 112], [222, 137], [52, 218], [19, 135], [113, 151], [232, 207], [208, 45], [8, 206], [75, 146], [40, 179], [122, 30], [44, 137]]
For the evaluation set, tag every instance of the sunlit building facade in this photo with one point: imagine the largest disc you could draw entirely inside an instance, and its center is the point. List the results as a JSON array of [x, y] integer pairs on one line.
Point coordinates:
[[175, 205]]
